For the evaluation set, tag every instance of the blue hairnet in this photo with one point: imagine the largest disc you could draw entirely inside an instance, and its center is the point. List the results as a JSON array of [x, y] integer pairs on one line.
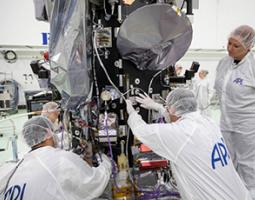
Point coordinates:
[[37, 130], [245, 35], [182, 101]]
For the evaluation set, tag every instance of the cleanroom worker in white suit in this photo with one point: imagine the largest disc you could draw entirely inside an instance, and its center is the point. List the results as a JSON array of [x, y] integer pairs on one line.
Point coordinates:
[[194, 146], [202, 92], [47, 173], [51, 110], [235, 87]]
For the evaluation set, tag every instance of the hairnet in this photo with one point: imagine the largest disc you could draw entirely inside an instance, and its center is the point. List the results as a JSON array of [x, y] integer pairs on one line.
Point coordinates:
[[245, 35], [37, 130], [181, 101], [50, 107], [205, 72]]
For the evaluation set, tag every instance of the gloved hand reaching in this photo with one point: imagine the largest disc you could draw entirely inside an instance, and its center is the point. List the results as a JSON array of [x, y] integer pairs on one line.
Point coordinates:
[[129, 106], [147, 102], [102, 159]]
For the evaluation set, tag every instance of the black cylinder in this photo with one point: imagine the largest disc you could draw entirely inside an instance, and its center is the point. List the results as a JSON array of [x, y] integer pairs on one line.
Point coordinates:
[[189, 7]]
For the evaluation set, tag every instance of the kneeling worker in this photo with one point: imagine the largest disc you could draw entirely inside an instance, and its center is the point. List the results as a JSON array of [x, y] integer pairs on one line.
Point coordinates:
[[54, 174], [194, 145]]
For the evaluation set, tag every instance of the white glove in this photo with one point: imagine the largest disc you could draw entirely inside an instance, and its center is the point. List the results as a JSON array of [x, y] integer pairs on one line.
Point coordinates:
[[147, 102], [104, 160], [130, 107]]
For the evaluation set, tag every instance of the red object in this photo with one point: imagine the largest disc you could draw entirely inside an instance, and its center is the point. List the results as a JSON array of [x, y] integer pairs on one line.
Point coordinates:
[[152, 164], [46, 55], [144, 148]]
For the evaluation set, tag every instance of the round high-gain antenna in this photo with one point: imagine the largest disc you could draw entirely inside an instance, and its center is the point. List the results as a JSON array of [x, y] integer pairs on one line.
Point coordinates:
[[154, 36]]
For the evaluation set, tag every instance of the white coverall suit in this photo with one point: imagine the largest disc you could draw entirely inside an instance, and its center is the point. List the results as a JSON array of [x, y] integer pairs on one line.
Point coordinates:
[[235, 86], [202, 93], [200, 160], [48, 173]]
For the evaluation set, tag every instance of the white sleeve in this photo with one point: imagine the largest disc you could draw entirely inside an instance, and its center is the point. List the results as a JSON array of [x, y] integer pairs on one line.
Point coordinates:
[[167, 140], [83, 181], [203, 96], [217, 75]]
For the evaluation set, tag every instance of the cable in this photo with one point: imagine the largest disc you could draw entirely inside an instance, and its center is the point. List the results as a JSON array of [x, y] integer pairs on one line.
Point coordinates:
[[95, 81], [154, 193], [133, 89], [107, 16], [6, 127], [103, 67], [109, 143], [66, 126], [183, 4], [159, 191], [108, 77], [19, 115], [129, 173], [114, 170], [154, 76], [149, 87]]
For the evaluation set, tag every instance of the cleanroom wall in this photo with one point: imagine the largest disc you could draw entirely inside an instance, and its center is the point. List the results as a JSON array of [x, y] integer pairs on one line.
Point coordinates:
[[212, 22]]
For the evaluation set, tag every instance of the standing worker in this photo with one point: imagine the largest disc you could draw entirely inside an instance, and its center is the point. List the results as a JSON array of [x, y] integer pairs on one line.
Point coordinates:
[[53, 174], [194, 145], [202, 92], [51, 110], [235, 87], [178, 69]]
